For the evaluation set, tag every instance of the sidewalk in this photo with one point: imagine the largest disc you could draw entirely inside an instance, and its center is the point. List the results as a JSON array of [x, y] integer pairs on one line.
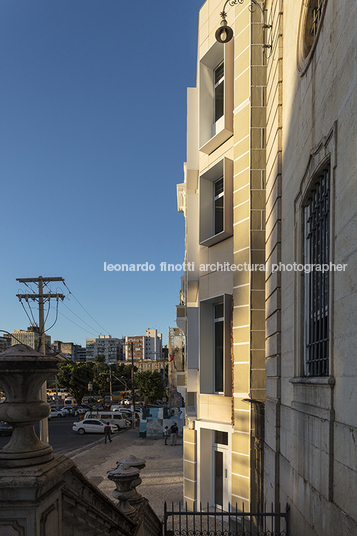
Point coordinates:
[[162, 478]]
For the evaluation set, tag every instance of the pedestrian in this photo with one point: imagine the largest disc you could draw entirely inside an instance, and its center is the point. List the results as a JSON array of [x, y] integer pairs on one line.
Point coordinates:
[[173, 431], [166, 434], [107, 432]]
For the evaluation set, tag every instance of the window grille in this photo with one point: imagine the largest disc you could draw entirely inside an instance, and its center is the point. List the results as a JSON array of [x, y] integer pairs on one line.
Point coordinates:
[[317, 241], [316, 16]]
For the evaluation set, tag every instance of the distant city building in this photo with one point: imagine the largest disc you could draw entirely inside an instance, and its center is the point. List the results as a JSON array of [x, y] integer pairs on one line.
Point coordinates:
[[150, 364], [148, 346], [71, 350], [31, 337], [66, 348], [138, 347], [165, 352], [80, 353], [5, 342], [110, 347], [153, 344]]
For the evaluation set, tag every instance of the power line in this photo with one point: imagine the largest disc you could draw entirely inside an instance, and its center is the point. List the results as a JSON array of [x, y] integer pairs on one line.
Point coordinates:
[[84, 329], [84, 322], [85, 309]]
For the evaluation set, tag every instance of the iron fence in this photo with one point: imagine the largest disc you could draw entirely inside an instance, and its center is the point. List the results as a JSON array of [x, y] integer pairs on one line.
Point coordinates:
[[232, 522]]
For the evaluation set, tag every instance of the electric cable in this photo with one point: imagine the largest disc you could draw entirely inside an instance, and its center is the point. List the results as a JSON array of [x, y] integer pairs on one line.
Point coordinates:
[[85, 309], [75, 323], [81, 319]]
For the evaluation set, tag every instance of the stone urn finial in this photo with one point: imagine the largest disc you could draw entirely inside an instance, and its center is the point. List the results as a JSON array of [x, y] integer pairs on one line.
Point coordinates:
[[138, 463], [123, 477], [22, 372]]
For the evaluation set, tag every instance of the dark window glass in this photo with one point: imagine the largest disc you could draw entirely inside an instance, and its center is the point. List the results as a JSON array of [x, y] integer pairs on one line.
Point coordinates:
[[218, 91], [218, 477], [218, 215], [218, 73], [317, 240], [218, 187], [221, 437], [218, 98], [218, 356], [218, 310], [218, 206]]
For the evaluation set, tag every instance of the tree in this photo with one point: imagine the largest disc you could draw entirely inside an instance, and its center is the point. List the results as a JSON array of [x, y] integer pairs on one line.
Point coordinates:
[[123, 372], [150, 384], [75, 378]]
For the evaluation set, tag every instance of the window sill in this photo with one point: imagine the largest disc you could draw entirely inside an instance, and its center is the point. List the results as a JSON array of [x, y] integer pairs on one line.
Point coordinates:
[[216, 141], [215, 239], [313, 380]]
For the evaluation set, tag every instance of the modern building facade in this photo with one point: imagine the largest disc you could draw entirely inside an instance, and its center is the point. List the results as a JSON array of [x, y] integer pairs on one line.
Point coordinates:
[[222, 310], [153, 344], [110, 347], [80, 353], [148, 346], [30, 337], [311, 338]]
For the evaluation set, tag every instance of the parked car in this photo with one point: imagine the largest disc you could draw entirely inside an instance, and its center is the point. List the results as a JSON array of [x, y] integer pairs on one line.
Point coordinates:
[[80, 410], [5, 428], [55, 413], [129, 415], [113, 417], [92, 426]]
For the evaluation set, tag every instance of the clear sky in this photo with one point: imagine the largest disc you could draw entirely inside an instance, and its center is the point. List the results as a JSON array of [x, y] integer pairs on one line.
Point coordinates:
[[92, 145]]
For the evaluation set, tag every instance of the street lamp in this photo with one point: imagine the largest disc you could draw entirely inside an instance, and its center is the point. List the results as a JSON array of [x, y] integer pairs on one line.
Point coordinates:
[[225, 33]]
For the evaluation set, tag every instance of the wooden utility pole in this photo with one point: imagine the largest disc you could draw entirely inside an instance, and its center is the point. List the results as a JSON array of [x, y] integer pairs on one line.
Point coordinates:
[[41, 297]]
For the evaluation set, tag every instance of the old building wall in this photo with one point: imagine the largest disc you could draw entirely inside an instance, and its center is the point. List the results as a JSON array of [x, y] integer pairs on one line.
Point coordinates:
[[310, 455]]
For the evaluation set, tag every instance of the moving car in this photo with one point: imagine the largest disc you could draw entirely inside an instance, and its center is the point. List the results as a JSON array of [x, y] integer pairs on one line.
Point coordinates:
[[5, 428], [92, 426]]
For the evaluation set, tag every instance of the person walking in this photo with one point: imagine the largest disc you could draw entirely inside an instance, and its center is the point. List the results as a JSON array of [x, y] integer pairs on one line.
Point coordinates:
[[173, 431], [107, 432], [166, 434]]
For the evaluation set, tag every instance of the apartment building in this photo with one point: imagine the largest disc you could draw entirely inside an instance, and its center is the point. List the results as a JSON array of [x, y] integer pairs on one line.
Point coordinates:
[[222, 309], [148, 346], [30, 337], [110, 347]]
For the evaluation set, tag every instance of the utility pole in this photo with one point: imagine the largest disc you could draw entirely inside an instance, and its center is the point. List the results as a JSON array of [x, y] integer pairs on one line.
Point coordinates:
[[132, 381], [41, 297], [110, 384]]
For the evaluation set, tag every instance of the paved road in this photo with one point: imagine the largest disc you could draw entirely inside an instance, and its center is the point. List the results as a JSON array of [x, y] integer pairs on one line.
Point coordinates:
[[62, 438]]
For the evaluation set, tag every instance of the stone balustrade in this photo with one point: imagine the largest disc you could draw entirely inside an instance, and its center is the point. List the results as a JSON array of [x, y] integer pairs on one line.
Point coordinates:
[[47, 496]]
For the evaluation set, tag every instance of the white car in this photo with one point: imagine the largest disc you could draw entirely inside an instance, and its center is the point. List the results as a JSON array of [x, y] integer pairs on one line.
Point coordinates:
[[92, 426], [56, 413]]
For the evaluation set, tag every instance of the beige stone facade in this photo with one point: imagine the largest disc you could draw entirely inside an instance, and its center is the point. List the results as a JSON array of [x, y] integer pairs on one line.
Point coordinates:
[[311, 423], [223, 310]]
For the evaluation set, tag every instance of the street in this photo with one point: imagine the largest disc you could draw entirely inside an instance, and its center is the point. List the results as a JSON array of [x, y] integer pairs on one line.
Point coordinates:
[[62, 439]]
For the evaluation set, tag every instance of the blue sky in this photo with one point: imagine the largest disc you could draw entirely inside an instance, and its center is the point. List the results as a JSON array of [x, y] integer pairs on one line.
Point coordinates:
[[92, 145]]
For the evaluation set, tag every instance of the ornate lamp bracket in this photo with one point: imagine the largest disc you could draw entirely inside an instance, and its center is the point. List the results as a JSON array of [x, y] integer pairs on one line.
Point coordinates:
[[225, 33]]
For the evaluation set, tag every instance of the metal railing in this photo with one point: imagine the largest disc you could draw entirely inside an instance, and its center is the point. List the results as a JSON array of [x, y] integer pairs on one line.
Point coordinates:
[[232, 522]]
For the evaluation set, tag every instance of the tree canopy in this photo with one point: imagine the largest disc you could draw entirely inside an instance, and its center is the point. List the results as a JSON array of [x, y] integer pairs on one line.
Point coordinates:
[[150, 384], [75, 378]]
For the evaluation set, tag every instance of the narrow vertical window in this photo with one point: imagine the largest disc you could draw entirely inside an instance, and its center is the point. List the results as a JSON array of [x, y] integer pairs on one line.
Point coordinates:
[[317, 254], [218, 91], [218, 347], [218, 205]]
